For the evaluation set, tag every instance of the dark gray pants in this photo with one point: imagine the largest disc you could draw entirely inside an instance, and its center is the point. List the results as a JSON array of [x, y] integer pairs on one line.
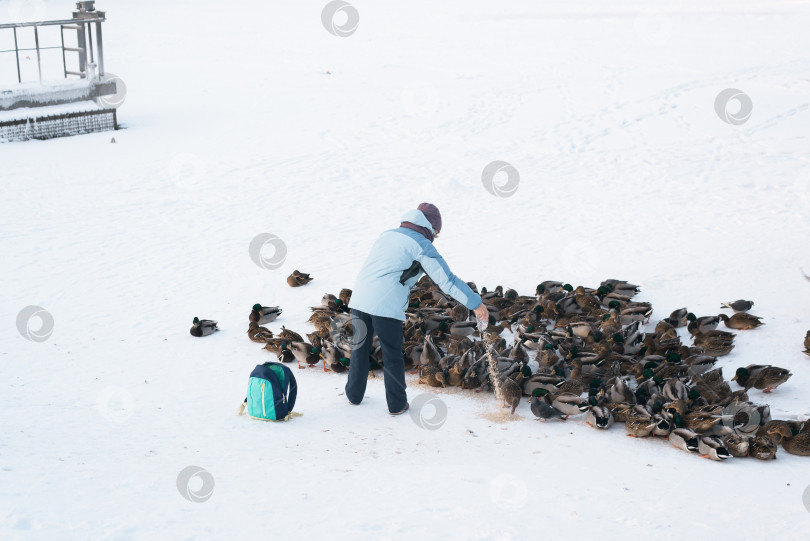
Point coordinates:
[[389, 330]]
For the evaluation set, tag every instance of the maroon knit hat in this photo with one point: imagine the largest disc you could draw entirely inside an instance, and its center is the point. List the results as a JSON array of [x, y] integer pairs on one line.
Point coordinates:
[[432, 214]]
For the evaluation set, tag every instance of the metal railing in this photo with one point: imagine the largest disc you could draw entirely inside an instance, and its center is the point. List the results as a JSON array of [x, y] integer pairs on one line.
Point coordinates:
[[82, 22]]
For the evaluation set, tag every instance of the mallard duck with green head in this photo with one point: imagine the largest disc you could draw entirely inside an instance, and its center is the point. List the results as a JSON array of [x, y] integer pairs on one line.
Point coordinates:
[[765, 378], [203, 327], [541, 408], [701, 325], [548, 287], [743, 374], [305, 352], [264, 314], [334, 358], [620, 287], [457, 328]]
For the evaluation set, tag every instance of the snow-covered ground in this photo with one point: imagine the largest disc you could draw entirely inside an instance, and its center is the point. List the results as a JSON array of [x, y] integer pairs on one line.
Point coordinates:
[[249, 117]]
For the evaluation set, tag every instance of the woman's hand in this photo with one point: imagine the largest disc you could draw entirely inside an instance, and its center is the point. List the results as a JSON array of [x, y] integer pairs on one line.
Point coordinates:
[[482, 315]]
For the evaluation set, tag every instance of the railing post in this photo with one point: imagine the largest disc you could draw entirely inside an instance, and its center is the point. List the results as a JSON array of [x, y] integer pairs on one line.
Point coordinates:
[[17, 55], [82, 40], [39, 63], [64, 62], [90, 43], [100, 50]]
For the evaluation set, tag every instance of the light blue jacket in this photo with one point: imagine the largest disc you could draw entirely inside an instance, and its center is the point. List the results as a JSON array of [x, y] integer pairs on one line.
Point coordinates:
[[378, 291]]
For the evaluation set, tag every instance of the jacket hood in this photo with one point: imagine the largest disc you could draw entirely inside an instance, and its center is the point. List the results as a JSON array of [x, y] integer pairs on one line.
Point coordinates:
[[417, 218]]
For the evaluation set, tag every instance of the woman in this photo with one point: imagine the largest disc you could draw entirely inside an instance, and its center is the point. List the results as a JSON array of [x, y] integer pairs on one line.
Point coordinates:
[[380, 297]]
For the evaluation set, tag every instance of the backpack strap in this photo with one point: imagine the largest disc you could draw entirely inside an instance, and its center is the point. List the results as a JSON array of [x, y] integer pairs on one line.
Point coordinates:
[[242, 407], [290, 391], [291, 387]]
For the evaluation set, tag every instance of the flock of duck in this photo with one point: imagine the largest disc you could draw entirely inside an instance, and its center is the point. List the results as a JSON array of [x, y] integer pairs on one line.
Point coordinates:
[[576, 351], [206, 327]]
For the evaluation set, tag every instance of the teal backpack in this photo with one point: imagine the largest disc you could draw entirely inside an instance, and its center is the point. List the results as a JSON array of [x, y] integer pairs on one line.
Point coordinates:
[[271, 393]]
